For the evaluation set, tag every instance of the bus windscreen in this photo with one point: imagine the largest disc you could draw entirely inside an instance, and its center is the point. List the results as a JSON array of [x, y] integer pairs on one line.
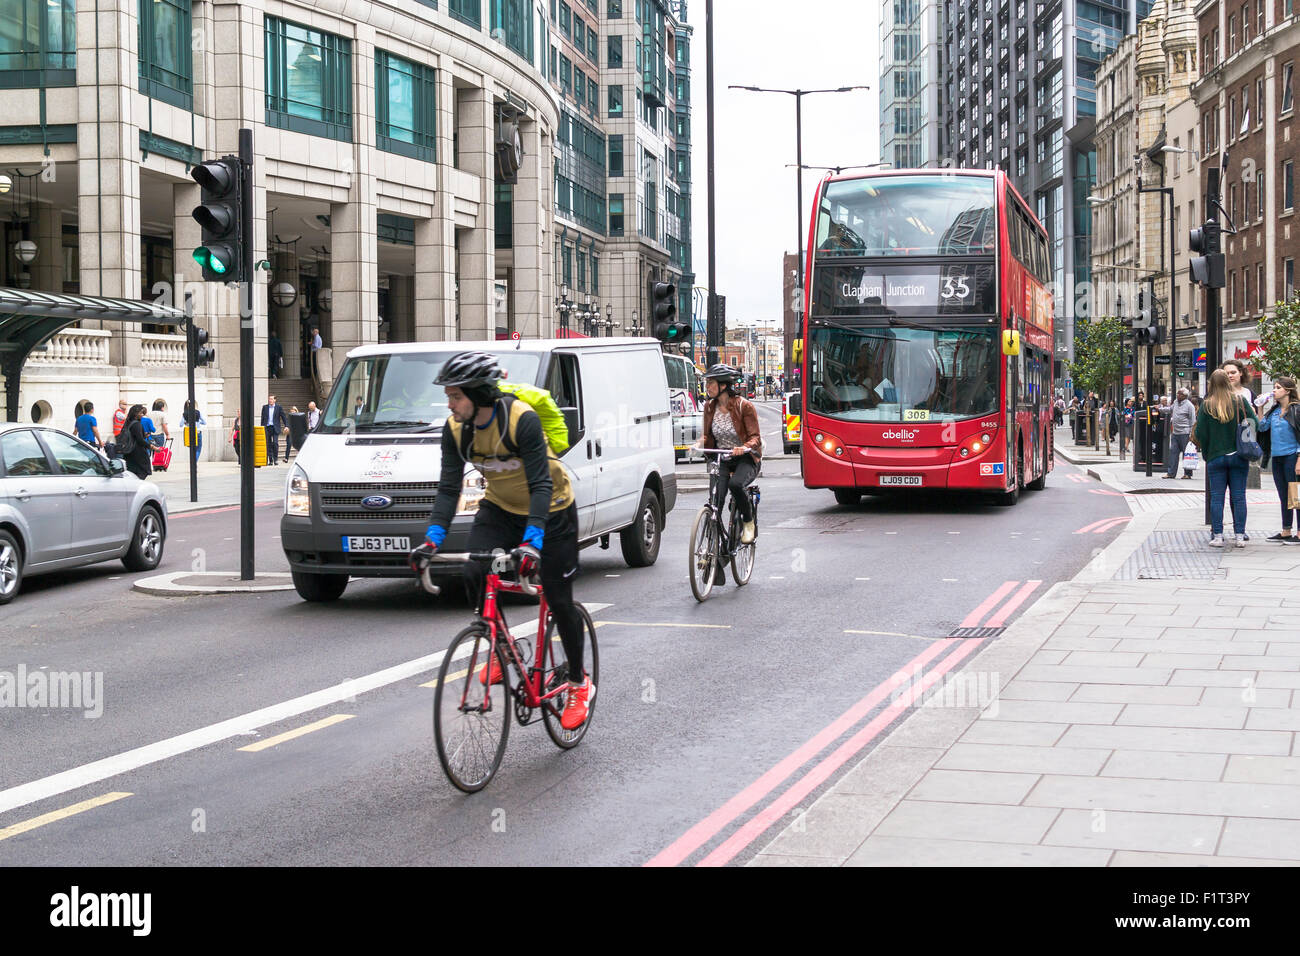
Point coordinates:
[[902, 375], [907, 216]]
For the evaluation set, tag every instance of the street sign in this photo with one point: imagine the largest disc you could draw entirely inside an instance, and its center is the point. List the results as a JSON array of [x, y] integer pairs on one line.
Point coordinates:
[[1163, 359], [1198, 358]]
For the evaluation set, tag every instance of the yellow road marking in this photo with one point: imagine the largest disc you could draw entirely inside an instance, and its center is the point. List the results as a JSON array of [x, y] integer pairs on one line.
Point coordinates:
[[291, 734], [919, 637], [63, 814]]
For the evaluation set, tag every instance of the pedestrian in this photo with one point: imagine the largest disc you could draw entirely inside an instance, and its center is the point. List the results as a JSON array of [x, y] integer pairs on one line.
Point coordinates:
[[88, 426], [313, 416], [133, 445], [193, 421], [1215, 434], [1182, 416], [1279, 435], [315, 347], [274, 355], [274, 422], [1111, 417], [119, 418], [1236, 370], [158, 416], [234, 434]]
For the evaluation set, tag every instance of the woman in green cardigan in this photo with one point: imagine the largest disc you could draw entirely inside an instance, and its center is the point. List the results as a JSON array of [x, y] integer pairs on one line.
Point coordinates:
[[1215, 434]]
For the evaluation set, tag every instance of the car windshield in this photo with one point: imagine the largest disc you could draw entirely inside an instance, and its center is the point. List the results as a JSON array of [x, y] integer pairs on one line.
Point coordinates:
[[391, 393], [897, 375], [907, 216]]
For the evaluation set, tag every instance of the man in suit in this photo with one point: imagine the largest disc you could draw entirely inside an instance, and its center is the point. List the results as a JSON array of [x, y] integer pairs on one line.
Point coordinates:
[[274, 421]]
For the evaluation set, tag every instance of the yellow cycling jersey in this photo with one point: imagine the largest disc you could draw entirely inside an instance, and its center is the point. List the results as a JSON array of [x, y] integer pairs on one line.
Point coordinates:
[[503, 469]]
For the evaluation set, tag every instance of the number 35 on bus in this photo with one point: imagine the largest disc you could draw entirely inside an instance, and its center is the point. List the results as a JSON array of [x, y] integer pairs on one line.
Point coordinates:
[[927, 336]]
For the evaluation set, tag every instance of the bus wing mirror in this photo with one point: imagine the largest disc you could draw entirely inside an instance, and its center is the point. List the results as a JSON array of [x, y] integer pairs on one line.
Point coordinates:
[[1010, 342], [796, 351]]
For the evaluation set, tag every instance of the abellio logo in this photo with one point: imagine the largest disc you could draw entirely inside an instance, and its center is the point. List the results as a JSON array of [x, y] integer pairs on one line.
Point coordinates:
[[902, 434]]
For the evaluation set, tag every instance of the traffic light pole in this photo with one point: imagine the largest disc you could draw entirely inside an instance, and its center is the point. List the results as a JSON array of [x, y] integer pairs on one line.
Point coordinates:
[[190, 355], [1151, 377], [246, 317], [712, 333]]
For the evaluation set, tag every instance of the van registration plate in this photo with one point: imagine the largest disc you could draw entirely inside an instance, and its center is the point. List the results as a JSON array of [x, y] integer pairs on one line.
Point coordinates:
[[361, 543], [902, 480]]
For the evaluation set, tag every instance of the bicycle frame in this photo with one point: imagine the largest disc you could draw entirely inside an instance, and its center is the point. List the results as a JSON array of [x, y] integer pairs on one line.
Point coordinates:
[[714, 460]]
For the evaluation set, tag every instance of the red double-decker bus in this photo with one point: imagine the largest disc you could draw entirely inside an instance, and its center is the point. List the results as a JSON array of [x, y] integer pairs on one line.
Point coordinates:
[[927, 336]]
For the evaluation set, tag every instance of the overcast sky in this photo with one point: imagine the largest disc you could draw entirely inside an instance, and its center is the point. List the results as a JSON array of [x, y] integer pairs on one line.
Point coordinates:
[[812, 44]]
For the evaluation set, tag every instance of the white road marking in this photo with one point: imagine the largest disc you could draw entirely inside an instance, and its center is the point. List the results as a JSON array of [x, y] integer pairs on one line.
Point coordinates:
[[954, 532], [776, 577], [862, 579], [950, 580], [97, 770]]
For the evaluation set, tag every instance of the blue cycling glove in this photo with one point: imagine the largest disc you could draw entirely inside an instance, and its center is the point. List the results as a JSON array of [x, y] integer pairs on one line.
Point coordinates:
[[436, 535], [533, 536]]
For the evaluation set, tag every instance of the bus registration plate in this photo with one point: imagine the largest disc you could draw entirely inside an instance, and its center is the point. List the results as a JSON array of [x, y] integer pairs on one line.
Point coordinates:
[[902, 480], [356, 543]]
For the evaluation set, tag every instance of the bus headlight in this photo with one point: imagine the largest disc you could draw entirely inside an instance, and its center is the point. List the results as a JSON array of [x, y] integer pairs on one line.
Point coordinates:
[[831, 446], [472, 490], [297, 497]]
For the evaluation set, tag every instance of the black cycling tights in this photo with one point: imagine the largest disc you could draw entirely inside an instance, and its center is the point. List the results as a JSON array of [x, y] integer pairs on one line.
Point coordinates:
[[736, 473]]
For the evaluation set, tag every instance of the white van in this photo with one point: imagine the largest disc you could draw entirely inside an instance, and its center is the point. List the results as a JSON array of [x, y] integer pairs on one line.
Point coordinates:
[[360, 492]]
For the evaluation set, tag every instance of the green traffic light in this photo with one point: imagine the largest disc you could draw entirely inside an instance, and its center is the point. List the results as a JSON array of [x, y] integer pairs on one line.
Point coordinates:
[[204, 257]]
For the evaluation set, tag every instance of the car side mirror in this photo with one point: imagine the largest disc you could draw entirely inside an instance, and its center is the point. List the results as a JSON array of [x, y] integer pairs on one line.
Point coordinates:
[[117, 466]]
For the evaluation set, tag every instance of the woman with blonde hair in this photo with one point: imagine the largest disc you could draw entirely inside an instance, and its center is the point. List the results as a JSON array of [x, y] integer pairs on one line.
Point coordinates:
[[1279, 435], [1215, 434]]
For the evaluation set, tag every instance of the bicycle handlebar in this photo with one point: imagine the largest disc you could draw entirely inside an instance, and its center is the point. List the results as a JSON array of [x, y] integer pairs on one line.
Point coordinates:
[[502, 561]]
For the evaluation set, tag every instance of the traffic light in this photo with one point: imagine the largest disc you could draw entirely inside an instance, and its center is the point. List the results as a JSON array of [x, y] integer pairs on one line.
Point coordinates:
[[1209, 268], [1142, 318], [222, 252], [200, 352], [663, 311]]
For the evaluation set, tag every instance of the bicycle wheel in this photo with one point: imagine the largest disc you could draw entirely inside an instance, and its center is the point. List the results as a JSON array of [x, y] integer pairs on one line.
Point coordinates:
[[471, 736], [553, 708], [704, 553], [742, 562]]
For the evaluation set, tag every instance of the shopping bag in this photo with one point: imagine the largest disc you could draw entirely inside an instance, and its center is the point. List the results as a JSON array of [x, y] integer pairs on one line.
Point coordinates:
[[1191, 458], [1293, 495]]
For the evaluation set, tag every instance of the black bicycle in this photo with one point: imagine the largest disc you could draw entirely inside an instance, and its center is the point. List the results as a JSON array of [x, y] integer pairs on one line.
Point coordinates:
[[712, 543]]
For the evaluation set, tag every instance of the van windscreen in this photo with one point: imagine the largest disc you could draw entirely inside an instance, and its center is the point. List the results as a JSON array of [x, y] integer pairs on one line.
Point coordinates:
[[389, 393]]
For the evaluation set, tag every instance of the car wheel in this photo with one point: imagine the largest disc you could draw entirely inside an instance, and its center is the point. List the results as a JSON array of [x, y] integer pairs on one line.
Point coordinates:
[[146, 548], [640, 540], [319, 587], [11, 567]]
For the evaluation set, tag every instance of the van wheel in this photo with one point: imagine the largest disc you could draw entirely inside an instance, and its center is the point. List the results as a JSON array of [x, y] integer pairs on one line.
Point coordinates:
[[640, 540], [11, 567], [319, 587]]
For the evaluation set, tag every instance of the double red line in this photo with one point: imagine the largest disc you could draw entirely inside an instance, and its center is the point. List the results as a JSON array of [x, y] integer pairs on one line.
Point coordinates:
[[912, 690]]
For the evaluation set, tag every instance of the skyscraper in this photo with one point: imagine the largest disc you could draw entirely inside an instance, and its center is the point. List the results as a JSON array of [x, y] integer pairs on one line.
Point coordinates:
[[909, 82]]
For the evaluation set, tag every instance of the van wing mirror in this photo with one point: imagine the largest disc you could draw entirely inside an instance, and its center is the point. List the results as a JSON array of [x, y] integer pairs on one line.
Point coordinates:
[[575, 427]]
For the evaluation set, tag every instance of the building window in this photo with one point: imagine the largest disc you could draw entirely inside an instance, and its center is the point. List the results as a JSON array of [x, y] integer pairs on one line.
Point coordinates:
[[1287, 69], [405, 107], [467, 11], [166, 63], [616, 214], [1288, 194], [512, 23], [568, 266], [614, 51], [1259, 284], [579, 86], [595, 274], [615, 96], [566, 74], [593, 46], [614, 9], [593, 95], [1259, 103], [1288, 279], [308, 80], [565, 16], [38, 43]]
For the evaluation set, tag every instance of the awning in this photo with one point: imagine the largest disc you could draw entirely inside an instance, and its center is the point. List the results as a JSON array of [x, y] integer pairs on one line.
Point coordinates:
[[28, 319]]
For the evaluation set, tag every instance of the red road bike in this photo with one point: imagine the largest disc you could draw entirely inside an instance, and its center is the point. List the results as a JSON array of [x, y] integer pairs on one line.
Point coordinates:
[[471, 714]]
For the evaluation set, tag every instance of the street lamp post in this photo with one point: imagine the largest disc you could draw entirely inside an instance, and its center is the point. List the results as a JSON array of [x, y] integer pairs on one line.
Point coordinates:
[[798, 152], [563, 306], [609, 319]]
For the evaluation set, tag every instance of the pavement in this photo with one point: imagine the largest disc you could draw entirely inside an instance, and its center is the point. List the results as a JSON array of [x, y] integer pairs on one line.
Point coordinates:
[[1144, 713]]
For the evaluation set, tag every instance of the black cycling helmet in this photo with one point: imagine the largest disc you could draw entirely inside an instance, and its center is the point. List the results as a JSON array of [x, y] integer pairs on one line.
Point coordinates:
[[469, 369], [725, 374]]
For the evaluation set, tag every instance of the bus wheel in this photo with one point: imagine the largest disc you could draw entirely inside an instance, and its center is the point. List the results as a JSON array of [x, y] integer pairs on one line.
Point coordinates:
[[1039, 483], [1009, 498], [848, 496]]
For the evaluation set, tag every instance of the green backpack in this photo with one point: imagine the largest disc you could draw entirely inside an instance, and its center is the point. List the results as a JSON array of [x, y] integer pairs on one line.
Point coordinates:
[[539, 400]]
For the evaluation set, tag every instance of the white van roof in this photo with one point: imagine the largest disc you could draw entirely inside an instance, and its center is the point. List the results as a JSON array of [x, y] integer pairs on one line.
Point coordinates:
[[500, 345]]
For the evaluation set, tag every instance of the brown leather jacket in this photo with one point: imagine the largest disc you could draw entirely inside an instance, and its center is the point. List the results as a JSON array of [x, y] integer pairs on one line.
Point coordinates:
[[745, 419]]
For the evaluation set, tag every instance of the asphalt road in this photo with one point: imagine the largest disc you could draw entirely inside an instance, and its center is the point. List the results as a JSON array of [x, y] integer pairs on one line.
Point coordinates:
[[697, 702]]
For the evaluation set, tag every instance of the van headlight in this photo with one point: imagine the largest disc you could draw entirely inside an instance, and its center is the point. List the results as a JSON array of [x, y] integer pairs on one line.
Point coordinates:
[[297, 497], [472, 490]]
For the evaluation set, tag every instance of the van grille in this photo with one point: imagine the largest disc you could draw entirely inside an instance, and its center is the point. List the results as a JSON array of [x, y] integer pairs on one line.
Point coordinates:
[[412, 500]]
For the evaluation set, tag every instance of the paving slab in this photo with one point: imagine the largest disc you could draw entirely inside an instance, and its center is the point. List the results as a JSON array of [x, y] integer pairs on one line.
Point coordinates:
[[1162, 715], [1118, 830], [1266, 742], [966, 755], [1244, 769], [973, 786], [1270, 801], [911, 851], [963, 821], [1144, 859], [1159, 765], [1266, 839], [1122, 694]]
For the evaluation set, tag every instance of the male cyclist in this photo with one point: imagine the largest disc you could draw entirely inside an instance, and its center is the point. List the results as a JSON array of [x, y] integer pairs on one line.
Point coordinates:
[[528, 504], [737, 429]]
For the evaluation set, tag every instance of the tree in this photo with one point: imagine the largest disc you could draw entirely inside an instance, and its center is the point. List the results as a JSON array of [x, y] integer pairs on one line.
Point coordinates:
[[1098, 357], [1279, 340]]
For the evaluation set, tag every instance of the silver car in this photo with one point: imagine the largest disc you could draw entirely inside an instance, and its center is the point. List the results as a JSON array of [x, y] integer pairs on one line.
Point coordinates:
[[63, 504]]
